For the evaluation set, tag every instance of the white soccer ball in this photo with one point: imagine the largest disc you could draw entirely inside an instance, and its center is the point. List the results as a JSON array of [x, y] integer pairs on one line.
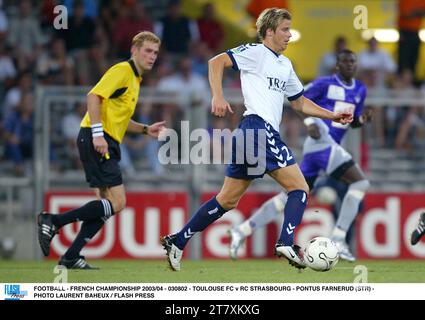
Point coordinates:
[[321, 254], [326, 195]]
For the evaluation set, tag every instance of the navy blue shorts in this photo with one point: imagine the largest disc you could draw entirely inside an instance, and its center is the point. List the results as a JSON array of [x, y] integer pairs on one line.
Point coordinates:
[[100, 173], [257, 149]]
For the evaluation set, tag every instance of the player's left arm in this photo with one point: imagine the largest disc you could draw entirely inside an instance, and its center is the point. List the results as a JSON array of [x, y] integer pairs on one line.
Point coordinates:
[[152, 130], [362, 116], [366, 116], [309, 108]]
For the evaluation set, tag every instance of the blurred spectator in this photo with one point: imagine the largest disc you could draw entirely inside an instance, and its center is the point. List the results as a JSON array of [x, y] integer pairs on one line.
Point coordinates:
[[410, 14], [392, 116], [25, 36], [191, 87], [377, 60], [210, 30], [184, 80], [221, 141], [176, 30], [100, 54], [79, 38], [71, 127], [3, 22], [411, 135], [55, 67], [7, 69], [47, 14], [369, 78], [80, 32], [108, 15], [407, 121], [132, 20], [292, 128], [200, 56], [15, 94], [255, 7], [90, 7], [18, 127], [139, 146], [328, 61]]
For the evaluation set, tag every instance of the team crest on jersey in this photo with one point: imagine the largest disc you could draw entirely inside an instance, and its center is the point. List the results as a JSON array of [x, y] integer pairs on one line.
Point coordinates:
[[357, 98]]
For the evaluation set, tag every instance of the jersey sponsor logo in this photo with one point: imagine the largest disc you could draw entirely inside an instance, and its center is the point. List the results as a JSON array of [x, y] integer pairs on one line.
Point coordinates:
[[336, 93], [276, 84], [342, 106], [357, 98]]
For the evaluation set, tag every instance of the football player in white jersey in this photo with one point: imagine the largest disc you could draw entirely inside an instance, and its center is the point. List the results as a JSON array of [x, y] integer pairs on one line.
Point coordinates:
[[266, 78], [323, 153]]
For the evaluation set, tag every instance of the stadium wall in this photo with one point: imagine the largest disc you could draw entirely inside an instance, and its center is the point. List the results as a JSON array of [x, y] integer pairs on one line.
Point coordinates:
[[382, 229]]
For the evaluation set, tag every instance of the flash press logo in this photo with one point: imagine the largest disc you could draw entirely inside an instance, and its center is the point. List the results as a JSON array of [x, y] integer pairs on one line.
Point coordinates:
[[13, 292]]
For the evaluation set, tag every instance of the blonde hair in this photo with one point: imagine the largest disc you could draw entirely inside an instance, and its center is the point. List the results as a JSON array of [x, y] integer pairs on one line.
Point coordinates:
[[143, 36], [270, 19]]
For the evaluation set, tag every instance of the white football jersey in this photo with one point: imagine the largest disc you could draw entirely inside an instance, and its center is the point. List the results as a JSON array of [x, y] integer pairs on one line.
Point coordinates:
[[266, 77]]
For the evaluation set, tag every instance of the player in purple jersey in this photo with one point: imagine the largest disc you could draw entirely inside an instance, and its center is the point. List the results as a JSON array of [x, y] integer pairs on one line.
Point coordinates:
[[323, 153]]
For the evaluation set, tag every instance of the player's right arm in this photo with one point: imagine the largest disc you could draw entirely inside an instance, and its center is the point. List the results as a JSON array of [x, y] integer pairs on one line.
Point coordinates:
[[94, 103], [216, 65]]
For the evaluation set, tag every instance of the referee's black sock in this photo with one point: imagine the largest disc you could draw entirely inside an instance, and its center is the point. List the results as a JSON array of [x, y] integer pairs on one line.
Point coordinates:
[[87, 232], [92, 210]]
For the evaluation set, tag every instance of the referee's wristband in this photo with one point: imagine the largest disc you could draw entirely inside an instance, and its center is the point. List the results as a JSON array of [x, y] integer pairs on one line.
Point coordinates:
[[97, 130], [145, 129]]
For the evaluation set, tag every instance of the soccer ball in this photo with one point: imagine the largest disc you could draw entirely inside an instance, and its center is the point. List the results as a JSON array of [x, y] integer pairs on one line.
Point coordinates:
[[321, 254], [326, 195]]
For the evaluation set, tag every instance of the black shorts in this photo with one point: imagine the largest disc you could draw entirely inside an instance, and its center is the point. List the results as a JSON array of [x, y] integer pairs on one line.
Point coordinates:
[[100, 173]]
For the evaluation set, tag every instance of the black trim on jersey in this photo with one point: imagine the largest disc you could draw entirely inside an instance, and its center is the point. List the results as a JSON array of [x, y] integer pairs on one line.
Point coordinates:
[[339, 172], [235, 65], [356, 123], [310, 181], [296, 96], [118, 93], [275, 53], [133, 66]]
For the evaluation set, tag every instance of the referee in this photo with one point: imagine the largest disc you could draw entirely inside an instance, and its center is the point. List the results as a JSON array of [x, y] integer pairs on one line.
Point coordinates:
[[110, 106]]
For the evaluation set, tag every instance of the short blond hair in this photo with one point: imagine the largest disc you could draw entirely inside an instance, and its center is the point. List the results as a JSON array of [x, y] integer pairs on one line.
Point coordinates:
[[270, 19], [143, 36]]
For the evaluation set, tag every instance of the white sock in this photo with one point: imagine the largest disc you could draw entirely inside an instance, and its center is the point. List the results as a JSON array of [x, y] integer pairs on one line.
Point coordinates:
[[350, 204], [338, 233], [245, 228]]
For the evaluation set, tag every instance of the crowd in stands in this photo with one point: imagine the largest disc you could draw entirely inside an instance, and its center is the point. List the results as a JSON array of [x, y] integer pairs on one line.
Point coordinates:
[[33, 52]]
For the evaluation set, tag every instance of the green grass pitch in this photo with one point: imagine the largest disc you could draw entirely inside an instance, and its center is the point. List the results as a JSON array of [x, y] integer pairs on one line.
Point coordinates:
[[207, 271]]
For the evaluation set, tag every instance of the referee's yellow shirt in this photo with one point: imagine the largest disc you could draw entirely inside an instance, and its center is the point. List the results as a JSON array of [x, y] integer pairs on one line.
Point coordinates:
[[119, 88]]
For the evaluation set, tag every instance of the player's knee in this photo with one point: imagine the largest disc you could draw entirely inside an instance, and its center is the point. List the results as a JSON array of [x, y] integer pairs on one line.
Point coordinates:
[[227, 202], [118, 204], [362, 185], [304, 187], [358, 189]]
